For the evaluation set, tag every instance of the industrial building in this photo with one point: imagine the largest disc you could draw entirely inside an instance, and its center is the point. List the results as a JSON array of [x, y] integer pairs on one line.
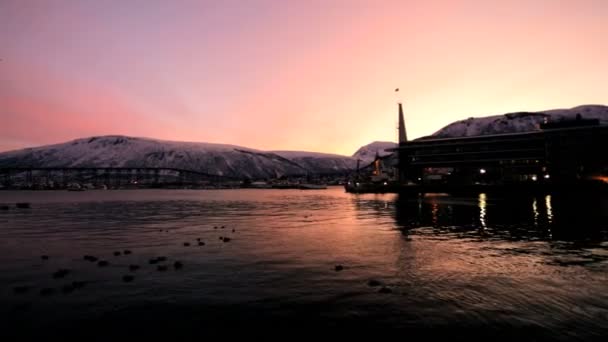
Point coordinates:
[[562, 152]]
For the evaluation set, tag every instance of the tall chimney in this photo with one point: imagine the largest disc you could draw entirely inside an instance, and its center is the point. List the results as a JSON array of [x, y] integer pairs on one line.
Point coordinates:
[[402, 133]]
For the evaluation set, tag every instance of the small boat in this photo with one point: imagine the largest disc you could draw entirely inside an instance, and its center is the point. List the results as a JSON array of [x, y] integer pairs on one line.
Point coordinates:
[[372, 187]]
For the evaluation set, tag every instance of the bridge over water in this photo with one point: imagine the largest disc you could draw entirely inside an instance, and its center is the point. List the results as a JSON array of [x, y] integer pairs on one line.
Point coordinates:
[[108, 176]]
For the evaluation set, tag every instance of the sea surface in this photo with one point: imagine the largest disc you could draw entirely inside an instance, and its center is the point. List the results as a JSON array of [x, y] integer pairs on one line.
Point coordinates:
[[456, 267]]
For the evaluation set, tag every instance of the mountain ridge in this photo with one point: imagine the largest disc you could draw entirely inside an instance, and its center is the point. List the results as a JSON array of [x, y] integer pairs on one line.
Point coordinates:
[[217, 159], [516, 122]]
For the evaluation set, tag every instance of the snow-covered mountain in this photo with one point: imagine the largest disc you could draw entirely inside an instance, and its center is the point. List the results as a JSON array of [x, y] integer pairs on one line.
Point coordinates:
[[368, 152], [518, 122], [240, 162], [217, 159]]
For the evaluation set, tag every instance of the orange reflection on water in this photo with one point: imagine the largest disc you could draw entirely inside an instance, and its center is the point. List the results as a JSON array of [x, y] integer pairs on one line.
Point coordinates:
[[434, 211], [434, 199]]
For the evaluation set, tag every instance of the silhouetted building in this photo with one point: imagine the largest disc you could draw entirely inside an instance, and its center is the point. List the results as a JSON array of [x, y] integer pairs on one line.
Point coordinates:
[[560, 152]]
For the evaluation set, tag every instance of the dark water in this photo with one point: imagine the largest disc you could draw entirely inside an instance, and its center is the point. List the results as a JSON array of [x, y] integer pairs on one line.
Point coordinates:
[[463, 268]]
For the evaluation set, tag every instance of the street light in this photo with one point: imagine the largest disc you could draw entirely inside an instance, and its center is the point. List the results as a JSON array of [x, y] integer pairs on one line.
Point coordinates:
[[482, 171]]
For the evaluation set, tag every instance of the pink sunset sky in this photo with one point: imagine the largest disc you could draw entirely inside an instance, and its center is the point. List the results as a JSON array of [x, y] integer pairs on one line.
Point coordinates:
[[289, 74]]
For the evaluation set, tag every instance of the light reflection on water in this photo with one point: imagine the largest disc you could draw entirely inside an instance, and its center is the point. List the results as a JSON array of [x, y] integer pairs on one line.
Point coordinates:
[[549, 209], [482, 210], [484, 262]]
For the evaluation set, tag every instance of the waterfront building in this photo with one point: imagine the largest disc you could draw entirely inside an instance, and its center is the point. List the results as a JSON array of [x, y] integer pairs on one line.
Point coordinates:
[[561, 152]]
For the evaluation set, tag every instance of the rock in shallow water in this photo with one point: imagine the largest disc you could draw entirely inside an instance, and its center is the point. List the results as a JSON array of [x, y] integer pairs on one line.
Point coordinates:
[[90, 258], [157, 260], [61, 273], [78, 284], [373, 283], [385, 289]]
